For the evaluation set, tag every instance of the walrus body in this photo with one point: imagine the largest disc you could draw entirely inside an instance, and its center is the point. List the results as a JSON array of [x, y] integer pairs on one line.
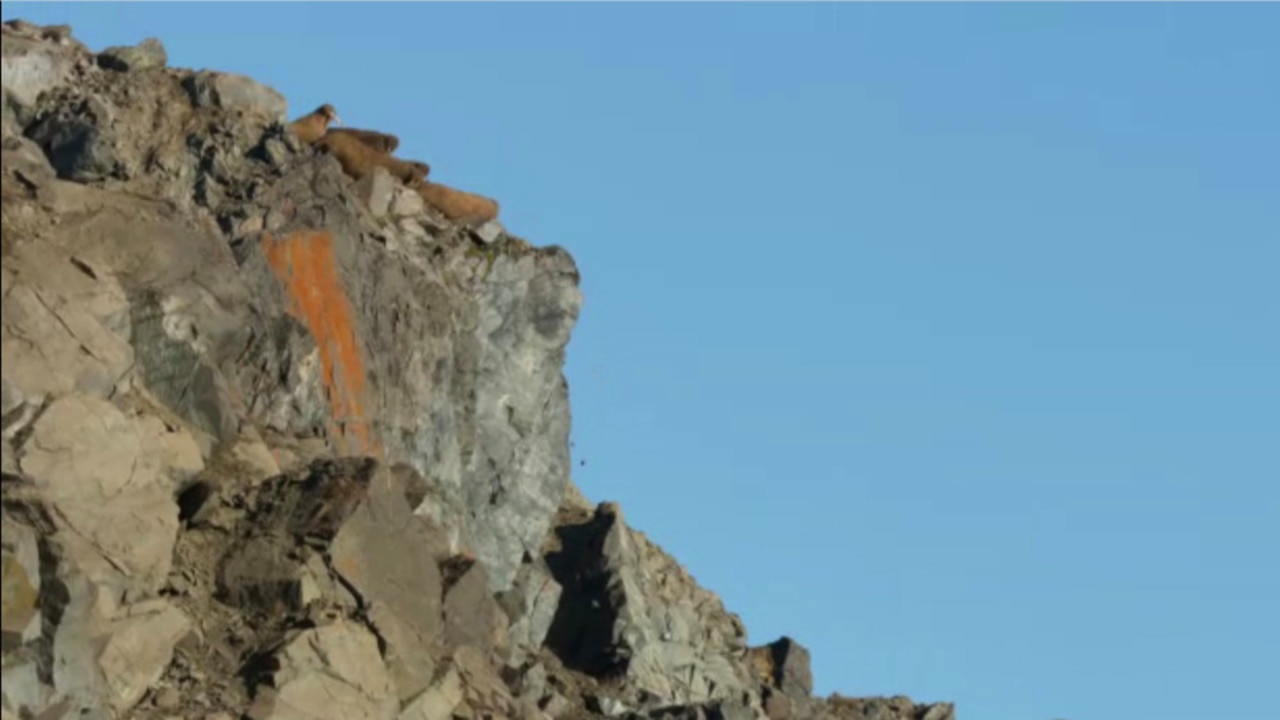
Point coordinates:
[[311, 127], [382, 142], [358, 159], [459, 206]]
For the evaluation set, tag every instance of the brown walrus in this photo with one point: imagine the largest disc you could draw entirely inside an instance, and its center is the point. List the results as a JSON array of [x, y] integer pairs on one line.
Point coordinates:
[[384, 142], [358, 159], [463, 207], [311, 127], [358, 151]]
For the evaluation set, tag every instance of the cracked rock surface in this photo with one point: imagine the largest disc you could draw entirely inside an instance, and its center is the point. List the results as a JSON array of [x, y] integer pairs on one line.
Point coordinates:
[[280, 445]]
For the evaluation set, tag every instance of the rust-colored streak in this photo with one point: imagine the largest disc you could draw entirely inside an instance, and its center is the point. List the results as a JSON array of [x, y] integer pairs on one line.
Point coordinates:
[[305, 264]]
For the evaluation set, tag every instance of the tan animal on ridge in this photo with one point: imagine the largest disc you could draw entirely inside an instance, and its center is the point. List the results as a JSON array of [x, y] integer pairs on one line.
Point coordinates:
[[459, 206], [358, 159], [314, 125], [311, 127], [384, 142]]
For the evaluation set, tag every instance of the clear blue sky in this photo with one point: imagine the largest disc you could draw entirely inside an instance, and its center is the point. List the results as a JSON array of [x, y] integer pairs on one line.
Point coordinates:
[[945, 339]]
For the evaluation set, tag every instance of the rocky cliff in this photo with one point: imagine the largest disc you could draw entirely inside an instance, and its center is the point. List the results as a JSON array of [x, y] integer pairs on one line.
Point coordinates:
[[282, 445]]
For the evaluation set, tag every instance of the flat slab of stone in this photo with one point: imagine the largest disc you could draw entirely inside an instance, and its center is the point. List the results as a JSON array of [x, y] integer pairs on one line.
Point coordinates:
[[330, 673], [385, 553]]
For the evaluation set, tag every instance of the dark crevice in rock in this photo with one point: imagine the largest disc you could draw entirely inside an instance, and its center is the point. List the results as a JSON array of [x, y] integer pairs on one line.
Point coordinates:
[[192, 499], [581, 632]]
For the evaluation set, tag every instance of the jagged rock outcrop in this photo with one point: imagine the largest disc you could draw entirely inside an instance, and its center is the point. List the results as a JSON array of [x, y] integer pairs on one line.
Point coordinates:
[[630, 611], [282, 445]]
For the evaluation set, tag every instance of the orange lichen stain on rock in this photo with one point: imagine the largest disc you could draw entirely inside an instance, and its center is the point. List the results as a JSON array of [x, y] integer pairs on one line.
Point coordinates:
[[305, 264]]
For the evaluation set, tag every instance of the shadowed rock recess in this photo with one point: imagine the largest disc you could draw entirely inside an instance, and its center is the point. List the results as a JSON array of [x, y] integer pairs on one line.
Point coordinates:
[[285, 446]]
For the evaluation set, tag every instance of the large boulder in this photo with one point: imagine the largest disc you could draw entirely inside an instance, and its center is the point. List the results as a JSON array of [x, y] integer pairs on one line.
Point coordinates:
[[103, 478], [328, 673], [386, 555]]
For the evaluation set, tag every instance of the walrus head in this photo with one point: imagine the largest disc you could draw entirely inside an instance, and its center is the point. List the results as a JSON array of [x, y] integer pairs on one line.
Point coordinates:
[[328, 112]]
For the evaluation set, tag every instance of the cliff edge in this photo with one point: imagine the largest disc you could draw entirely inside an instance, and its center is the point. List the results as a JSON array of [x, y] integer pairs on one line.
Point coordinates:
[[284, 445]]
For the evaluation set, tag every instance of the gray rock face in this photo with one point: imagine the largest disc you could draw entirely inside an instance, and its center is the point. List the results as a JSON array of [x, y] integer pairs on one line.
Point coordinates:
[[518, 466], [530, 605], [281, 445]]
